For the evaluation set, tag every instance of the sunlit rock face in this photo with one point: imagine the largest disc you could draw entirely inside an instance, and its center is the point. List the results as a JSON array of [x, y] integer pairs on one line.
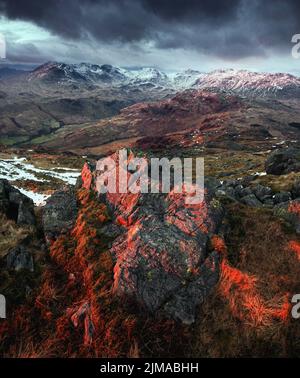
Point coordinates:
[[162, 255]]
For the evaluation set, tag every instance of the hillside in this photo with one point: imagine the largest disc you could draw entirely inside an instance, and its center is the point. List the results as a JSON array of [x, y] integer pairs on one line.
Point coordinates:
[[57, 97]]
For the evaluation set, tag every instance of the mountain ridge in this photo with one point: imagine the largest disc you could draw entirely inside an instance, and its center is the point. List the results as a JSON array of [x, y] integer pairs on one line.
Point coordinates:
[[242, 82]]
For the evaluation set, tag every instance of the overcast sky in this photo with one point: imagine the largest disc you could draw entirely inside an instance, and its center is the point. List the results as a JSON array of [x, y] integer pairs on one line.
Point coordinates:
[[168, 34]]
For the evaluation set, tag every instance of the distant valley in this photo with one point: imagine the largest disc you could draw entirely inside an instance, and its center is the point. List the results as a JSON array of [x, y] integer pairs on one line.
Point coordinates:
[[75, 107]]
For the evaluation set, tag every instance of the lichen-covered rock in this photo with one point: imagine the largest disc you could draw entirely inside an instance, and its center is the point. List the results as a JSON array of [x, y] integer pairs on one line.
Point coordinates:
[[16, 205], [183, 305], [283, 161], [162, 256], [59, 213]]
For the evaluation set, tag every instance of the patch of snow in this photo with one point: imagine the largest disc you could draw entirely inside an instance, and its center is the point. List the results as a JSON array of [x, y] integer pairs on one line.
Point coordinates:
[[18, 169], [39, 199], [260, 174], [11, 169]]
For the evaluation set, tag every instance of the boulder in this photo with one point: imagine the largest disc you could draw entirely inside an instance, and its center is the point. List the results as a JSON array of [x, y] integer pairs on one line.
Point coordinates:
[[251, 201], [246, 180], [282, 197], [283, 161], [212, 183], [244, 192], [225, 191], [16, 205], [290, 212], [19, 258], [231, 183], [25, 214], [261, 191], [268, 200], [183, 305], [162, 255], [60, 212]]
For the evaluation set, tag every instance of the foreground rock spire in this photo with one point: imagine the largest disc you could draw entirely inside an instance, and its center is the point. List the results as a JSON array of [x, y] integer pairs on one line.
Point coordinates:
[[161, 252]]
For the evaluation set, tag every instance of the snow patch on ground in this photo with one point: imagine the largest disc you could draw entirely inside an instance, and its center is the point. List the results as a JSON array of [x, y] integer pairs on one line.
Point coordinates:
[[260, 174], [19, 169], [39, 199]]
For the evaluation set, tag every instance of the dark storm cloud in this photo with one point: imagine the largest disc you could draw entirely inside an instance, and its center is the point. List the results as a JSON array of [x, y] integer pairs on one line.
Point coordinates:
[[25, 53], [230, 29]]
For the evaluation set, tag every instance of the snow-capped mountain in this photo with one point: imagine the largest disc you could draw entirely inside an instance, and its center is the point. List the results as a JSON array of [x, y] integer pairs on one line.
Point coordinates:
[[147, 75], [248, 83], [241, 82], [85, 72], [186, 79], [105, 73], [101, 75], [115, 76]]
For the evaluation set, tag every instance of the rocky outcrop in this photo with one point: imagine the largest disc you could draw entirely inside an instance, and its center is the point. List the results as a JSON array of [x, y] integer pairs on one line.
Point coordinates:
[[283, 161], [251, 200], [162, 254], [285, 205], [16, 205], [290, 212], [254, 195], [159, 244], [59, 213]]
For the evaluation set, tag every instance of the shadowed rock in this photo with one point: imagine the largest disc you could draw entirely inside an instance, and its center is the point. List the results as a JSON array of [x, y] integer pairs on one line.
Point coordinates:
[[283, 161], [296, 189], [59, 213], [290, 212], [251, 201], [15, 205], [19, 258]]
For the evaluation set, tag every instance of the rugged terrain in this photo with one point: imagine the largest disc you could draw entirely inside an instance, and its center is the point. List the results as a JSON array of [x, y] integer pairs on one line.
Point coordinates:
[[56, 105], [133, 275], [146, 275]]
